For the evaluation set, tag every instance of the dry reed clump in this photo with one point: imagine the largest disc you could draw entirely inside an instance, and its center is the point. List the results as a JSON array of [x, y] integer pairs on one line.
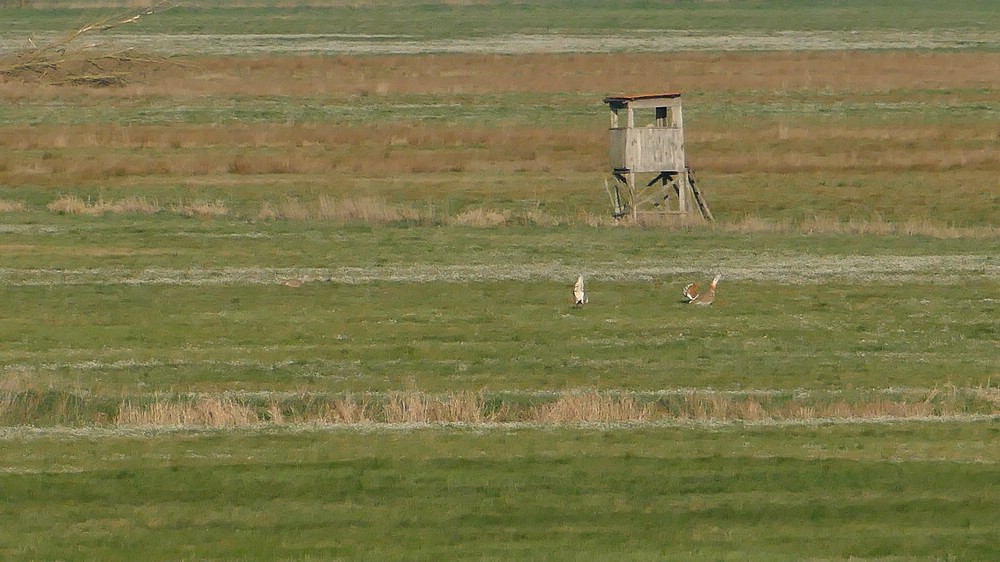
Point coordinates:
[[203, 412], [702, 406], [481, 217], [72, 205], [11, 206], [989, 394], [22, 403], [591, 406], [712, 406], [201, 209], [868, 409], [347, 410], [413, 407], [365, 210]]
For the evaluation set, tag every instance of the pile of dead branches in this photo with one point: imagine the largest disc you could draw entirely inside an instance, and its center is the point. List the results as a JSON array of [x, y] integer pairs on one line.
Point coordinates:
[[66, 61]]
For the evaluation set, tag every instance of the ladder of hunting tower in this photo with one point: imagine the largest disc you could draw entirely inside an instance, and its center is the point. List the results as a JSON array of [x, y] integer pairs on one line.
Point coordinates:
[[651, 149]]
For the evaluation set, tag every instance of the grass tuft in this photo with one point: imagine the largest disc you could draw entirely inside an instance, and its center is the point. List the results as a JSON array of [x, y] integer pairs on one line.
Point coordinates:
[[355, 210], [201, 209], [202, 412], [592, 406], [11, 206], [72, 205]]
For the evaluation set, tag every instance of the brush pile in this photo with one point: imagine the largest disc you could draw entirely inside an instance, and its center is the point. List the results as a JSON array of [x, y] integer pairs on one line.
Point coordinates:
[[70, 60]]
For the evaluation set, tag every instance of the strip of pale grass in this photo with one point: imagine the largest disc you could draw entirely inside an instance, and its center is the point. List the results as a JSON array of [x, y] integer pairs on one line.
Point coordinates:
[[788, 268], [21, 406]]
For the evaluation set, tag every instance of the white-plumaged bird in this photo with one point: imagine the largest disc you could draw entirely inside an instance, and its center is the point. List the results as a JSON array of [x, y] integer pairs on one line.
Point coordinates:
[[579, 292]]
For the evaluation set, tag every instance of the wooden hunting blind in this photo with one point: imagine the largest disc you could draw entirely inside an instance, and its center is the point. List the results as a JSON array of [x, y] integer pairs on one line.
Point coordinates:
[[649, 142]]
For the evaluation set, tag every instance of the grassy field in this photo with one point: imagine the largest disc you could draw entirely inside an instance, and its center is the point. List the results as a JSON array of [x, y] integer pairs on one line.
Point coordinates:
[[298, 286], [876, 492]]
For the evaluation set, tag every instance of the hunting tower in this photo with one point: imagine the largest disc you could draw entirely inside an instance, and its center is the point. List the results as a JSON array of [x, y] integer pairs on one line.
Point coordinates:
[[647, 158]]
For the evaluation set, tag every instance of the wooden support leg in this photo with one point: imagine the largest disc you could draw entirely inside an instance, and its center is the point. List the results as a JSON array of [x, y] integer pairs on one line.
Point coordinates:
[[682, 194], [631, 195]]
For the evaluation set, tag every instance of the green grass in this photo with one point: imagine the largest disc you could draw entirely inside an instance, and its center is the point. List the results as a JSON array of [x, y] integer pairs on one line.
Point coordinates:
[[439, 19], [899, 492], [169, 303], [825, 299], [440, 336], [707, 108]]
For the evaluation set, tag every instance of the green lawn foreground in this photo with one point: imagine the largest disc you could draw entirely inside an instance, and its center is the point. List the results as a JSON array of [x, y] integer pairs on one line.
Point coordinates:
[[913, 491]]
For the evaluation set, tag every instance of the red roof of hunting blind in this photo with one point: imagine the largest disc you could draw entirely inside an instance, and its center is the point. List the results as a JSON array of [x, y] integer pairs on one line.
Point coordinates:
[[624, 98]]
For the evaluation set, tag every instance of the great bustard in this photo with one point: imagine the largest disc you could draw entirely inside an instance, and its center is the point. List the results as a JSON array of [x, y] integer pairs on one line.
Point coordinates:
[[579, 292], [694, 297]]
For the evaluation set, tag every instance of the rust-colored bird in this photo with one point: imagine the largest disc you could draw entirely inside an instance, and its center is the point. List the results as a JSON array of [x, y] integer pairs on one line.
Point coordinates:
[[694, 297]]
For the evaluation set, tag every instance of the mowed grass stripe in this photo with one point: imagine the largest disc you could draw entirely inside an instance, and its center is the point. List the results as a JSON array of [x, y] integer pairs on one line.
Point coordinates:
[[147, 431], [753, 267], [637, 41], [907, 491], [498, 335]]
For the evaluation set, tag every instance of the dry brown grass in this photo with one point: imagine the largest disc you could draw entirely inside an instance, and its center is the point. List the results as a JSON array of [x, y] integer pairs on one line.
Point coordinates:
[[481, 217], [366, 210], [850, 71], [414, 407], [201, 209], [203, 412], [72, 205], [7, 206], [81, 153], [21, 400], [592, 406], [587, 406], [429, 161], [348, 410]]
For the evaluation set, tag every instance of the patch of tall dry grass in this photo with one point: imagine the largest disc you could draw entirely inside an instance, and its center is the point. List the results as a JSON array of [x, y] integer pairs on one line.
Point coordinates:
[[201, 209], [460, 407], [202, 412], [72, 205], [571, 407], [7, 206], [590, 407], [365, 210], [481, 217]]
